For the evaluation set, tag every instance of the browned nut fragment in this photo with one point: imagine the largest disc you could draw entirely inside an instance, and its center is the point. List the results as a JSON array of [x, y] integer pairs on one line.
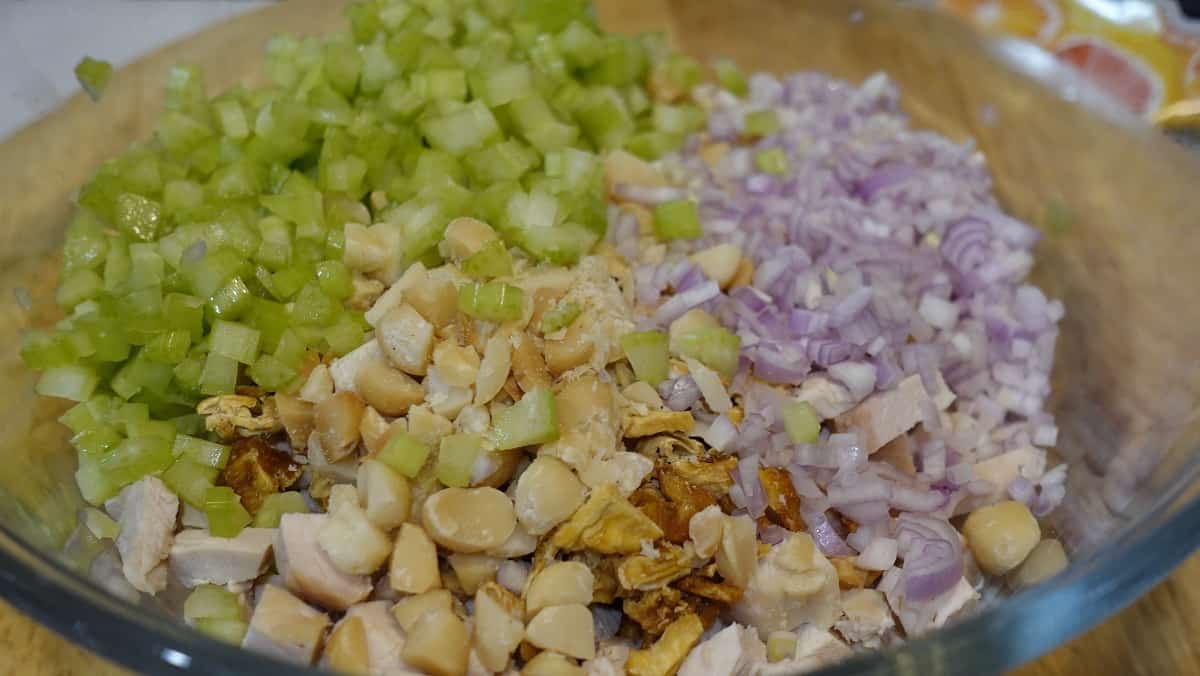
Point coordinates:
[[438, 644], [494, 367], [659, 422], [783, 504], [297, 418], [434, 299], [607, 523], [721, 592], [654, 505], [346, 648], [664, 657], [714, 476], [528, 367], [354, 544], [505, 465], [644, 573], [712, 153], [688, 498], [366, 292], [1046, 559], [388, 390], [744, 275], [410, 608], [623, 167], [256, 470], [457, 364], [565, 629], [284, 626], [573, 349], [230, 416], [336, 421], [705, 529], [851, 576], [497, 630], [414, 566], [549, 663], [469, 520]]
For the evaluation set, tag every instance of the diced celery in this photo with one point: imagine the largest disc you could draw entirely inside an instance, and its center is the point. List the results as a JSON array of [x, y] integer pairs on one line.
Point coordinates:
[[312, 306], [604, 118], [343, 65], [162, 429], [96, 440], [677, 219], [271, 373], [460, 132], [181, 133], [275, 505], [290, 280], [93, 76], [146, 266], [505, 161], [169, 347], [100, 524], [773, 161], [730, 77], [647, 353], [623, 62], [492, 260], [404, 453], [801, 422], [133, 459], [335, 279], [185, 313], [236, 341], [532, 420], [291, 348], [781, 645], [200, 451], [80, 418], [456, 458], [226, 516], [505, 83], [562, 244], [94, 485], [298, 201], [128, 414], [344, 335], [560, 316], [681, 119], [139, 217], [717, 348], [231, 300], [761, 123], [74, 382], [219, 375], [190, 481], [491, 301], [42, 350], [580, 45], [77, 287], [211, 602], [206, 276], [676, 73]]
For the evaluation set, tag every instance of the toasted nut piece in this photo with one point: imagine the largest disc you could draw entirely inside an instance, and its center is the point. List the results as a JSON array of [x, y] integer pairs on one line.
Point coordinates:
[[434, 299], [497, 630], [469, 520], [394, 295], [744, 275], [714, 476], [472, 570], [364, 250], [230, 416], [410, 608], [642, 393], [366, 292], [346, 648], [559, 584], [664, 657], [1046, 559], [712, 153], [721, 592], [414, 567], [573, 349], [445, 399], [318, 386], [494, 368], [686, 497], [669, 518], [783, 504], [354, 544], [406, 338], [428, 427], [457, 364], [528, 367], [692, 320], [607, 523], [297, 418], [623, 167], [1001, 535], [549, 663], [508, 599], [465, 236], [659, 422], [654, 610], [336, 421], [719, 262], [737, 555], [851, 576], [500, 466], [519, 544], [390, 391], [256, 470], [438, 644], [644, 573], [284, 626], [384, 494], [705, 529], [566, 629], [547, 494]]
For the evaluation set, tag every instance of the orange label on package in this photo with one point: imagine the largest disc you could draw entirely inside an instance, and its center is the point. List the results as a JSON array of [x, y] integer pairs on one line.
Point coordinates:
[[1144, 54]]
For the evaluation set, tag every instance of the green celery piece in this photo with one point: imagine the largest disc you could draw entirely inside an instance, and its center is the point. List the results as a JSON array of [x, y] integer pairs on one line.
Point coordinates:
[[335, 279], [162, 429], [190, 481], [623, 62], [676, 73], [100, 524], [270, 373], [185, 313], [93, 75], [492, 260], [231, 300], [647, 353], [532, 420], [96, 440], [80, 418], [461, 132], [604, 118], [200, 451], [580, 45], [313, 307], [226, 516], [652, 145], [231, 117], [181, 133], [405, 454], [551, 16], [182, 199], [677, 219], [562, 244], [343, 66], [74, 382], [717, 348], [291, 348], [236, 341], [773, 161], [146, 266], [219, 375], [41, 350], [491, 301], [730, 77], [344, 335], [77, 287], [169, 347], [456, 458], [139, 217], [275, 505], [94, 485], [211, 602], [505, 83], [505, 161], [206, 276], [297, 201], [760, 123], [133, 459], [679, 120], [801, 422]]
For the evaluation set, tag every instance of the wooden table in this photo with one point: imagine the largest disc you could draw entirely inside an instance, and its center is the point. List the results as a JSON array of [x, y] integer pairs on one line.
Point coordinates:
[[1154, 637]]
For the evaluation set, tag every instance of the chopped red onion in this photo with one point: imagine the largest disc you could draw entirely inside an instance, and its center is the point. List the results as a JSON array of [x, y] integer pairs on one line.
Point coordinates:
[[823, 533], [720, 434], [746, 477], [606, 620], [803, 483], [960, 474], [871, 512], [677, 305], [773, 534], [858, 377], [679, 394]]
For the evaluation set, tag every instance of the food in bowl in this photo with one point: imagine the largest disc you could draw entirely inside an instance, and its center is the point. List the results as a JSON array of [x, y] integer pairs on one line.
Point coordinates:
[[482, 340]]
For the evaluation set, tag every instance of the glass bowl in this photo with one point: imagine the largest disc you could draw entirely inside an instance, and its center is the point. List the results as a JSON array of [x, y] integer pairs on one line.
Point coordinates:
[[1115, 200]]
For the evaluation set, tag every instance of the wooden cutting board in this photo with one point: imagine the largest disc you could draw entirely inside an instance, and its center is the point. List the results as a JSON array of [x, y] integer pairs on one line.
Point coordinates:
[[1153, 637]]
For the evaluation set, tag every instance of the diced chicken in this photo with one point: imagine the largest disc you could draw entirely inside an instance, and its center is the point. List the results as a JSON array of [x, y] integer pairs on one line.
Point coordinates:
[[306, 568], [866, 617], [886, 415], [815, 647], [793, 584], [283, 626], [899, 454], [919, 617], [827, 397], [147, 514], [734, 651], [1000, 470], [198, 557], [384, 638]]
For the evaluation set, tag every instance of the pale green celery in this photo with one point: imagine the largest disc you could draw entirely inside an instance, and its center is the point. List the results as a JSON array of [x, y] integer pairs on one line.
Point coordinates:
[[405, 454], [77, 287], [577, 168], [275, 505], [211, 602], [562, 244], [505, 161], [297, 201], [677, 219], [190, 481], [93, 76], [773, 161], [93, 484], [491, 301], [677, 72], [139, 217], [680, 119], [761, 123], [535, 209], [231, 116], [231, 300], [492, 260], [100, 524], [271, 373], [73, 382], [290, 349], [231, 631], [503, 84], [236, 341], [456, 458], [343, 65], [97, 440], [200, 451], [604, 118], [133, 459], [781, 645], [226, 516], [801, 422], [730, 77], [532, 420], [580, 45], [717, 348], [146, 266], [335, 280], [345, 334], [460, 132], [647, 353], [184, 312], [181, 133], [162, 429], [313, 307], [219, 375]]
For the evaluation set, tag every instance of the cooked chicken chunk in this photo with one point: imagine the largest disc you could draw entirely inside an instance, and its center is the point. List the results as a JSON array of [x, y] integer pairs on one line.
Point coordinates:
[[793, 584], [147, 519], [883, 416], [733, 651], [283, 626], [198, 557], [307, 570]]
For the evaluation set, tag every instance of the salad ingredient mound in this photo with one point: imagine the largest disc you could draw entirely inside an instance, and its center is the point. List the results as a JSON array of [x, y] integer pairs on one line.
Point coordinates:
[[483, 341]]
